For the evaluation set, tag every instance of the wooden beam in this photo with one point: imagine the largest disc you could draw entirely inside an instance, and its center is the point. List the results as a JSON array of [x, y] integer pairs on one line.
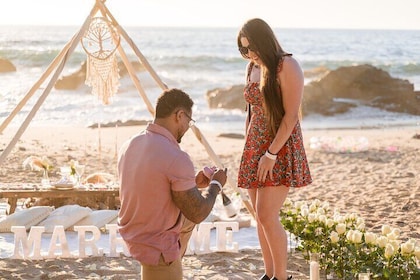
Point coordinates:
[[136, 50], [36, 86]]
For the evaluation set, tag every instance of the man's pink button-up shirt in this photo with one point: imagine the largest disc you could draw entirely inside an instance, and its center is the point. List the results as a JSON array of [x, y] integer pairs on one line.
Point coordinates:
[[150, 166]]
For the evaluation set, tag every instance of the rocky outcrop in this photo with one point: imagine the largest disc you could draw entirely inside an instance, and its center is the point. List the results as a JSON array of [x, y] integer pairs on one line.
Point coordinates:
[[316, 72], [338, 91], [77, 79], [121, 123], [364, 84], [226, 98], [74, 80], [6, 66]]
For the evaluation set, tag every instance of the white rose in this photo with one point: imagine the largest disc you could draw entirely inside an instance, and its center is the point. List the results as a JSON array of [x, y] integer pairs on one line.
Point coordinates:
[[304, 212], [360, 227], [340, 228], [386, 229], [334, 237], [320, 211], [330, 223], [370, 238], [349, 235], [392, 236], [322, 218], [339, 218], [382, 241], [395, 244], [298, 204], [417, 253], [389, 251], [407, 248], [351, 216], [311, 217], [357, 237], [287, 202]]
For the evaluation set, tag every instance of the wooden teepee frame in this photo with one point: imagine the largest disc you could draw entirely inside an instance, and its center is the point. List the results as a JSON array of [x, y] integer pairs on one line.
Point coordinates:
[[58, 64]]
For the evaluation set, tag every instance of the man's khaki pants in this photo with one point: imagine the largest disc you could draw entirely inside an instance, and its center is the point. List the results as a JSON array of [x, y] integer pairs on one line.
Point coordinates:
[[170, 271]]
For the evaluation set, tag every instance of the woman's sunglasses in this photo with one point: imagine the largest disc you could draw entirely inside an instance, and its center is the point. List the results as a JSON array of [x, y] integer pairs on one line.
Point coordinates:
[[245, 50]]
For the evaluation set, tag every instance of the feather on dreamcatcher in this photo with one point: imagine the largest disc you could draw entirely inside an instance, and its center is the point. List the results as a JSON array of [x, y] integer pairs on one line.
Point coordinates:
[[100, 42]]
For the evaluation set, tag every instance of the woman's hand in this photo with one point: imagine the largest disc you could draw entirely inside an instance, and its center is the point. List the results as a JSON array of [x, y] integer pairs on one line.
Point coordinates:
[[265, 168]]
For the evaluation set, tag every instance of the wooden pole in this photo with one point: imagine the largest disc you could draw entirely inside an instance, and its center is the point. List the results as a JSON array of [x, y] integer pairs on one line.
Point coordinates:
[[136, 81], [47, 90], [219, 164]]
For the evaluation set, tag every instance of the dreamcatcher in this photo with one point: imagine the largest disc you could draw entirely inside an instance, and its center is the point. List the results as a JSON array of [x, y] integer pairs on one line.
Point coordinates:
[[100, 42]]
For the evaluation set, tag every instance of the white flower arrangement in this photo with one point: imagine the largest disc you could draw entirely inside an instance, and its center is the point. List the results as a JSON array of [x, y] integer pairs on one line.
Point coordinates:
[[346, 247], [37, 163]]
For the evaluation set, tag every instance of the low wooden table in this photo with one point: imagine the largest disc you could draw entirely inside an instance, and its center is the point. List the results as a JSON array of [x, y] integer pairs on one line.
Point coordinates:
[[12, 195]]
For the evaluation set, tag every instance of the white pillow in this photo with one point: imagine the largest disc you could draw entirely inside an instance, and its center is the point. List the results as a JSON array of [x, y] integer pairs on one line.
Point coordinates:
[[65, 216], [114, 221], [25, 217], [97, 218]]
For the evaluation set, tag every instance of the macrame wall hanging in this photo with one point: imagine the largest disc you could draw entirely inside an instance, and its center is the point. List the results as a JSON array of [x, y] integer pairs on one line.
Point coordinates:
[[100, 42]]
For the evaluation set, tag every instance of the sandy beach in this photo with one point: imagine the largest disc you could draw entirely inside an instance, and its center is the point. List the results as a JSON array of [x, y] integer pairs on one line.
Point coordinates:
[[381, 184]]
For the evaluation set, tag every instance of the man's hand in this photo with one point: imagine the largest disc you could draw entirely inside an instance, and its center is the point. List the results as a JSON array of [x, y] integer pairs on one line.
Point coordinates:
[[201, 180], [195, 204], [220, 175]]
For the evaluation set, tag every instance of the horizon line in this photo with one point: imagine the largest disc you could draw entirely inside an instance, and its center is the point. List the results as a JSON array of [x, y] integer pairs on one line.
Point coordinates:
[[214, 27]]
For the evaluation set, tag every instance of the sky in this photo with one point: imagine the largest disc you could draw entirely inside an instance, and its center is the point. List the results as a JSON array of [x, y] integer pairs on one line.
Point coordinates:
[[355, 14]]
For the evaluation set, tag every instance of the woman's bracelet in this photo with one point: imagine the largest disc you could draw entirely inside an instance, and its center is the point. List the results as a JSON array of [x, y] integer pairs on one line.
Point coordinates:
[[270, 155], [268, 151], [217, 183]]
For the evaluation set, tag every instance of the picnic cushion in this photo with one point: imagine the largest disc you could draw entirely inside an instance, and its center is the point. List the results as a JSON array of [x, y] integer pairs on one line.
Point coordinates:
[[97, 218], [65, 216], [25, 217], [114, 221]]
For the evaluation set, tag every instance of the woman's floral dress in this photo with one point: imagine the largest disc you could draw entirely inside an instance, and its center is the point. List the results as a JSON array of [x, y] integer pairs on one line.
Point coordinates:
[[291, 168]]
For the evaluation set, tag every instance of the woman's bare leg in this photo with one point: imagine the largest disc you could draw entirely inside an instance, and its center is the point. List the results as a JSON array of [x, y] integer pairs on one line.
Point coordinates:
[[268, 202], [265, 249]]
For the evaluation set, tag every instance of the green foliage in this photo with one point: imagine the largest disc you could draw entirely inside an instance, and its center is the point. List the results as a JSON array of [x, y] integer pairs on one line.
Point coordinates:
[[345, 247]]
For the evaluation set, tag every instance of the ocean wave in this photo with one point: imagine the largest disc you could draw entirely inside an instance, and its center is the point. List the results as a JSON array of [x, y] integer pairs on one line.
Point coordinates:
[[39, 57], [196, 60]]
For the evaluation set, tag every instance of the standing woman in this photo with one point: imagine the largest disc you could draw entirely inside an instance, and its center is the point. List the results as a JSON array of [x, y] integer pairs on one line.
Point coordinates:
[[274, 157]]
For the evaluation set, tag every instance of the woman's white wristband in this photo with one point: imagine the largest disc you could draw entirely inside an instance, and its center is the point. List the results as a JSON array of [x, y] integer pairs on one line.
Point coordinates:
[[215, 182], [270, 156]]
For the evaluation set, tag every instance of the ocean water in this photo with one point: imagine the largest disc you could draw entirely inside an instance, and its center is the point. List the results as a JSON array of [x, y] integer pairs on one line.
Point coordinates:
[[197, 60]]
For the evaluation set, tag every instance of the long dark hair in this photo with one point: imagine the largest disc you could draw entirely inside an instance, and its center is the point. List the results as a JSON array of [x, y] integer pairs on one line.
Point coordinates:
[[263, 41]]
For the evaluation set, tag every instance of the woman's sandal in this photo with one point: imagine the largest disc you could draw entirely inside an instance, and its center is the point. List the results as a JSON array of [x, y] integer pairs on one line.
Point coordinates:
[[265, 277], [274, 278]]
